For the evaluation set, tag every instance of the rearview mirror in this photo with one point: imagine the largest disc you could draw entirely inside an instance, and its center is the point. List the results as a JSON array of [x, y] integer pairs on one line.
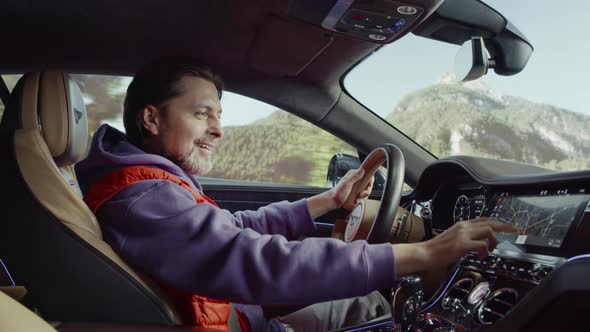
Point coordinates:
[[341, 163], [471, 62]]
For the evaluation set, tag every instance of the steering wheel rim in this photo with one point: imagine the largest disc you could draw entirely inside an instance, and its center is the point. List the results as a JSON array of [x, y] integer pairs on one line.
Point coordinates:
[[392, 155]]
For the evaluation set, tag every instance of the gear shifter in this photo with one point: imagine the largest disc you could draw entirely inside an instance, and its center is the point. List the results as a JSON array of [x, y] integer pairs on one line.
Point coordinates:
[[406, 308], [406, 304]]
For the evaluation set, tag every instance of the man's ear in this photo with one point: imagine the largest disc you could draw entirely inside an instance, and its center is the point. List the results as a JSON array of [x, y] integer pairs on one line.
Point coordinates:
[[150, 119]]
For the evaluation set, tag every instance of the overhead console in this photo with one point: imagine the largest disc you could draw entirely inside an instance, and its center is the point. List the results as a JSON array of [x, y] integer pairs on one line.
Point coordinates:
[[378, 21], [449, 21]]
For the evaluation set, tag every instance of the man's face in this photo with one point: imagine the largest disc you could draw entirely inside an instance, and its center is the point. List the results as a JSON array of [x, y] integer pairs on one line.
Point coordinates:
[[189, 126]]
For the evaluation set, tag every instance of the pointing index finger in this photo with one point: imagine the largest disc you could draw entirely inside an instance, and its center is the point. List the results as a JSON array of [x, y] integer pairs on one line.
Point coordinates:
[[500, 226]]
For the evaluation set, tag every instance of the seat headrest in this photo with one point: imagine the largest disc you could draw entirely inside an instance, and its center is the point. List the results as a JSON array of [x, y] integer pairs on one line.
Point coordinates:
[[52, 102]]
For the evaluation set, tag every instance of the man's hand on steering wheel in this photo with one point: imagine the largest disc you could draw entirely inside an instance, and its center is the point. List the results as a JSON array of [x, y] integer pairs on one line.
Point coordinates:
[[335, 197], [342, 190]]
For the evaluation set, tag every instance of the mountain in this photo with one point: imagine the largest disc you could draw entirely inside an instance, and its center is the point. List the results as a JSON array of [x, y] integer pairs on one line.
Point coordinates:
[[451, 119], [280, 148], [447, 119]]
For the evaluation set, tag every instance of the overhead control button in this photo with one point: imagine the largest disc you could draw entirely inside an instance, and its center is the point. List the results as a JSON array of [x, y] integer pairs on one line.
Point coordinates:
[[407, 10], [376, 36]]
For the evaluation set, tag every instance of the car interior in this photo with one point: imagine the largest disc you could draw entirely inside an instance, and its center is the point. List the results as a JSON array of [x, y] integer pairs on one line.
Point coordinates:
[[294, 55]]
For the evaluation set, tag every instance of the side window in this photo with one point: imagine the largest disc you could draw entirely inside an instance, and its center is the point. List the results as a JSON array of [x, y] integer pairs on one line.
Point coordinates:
[[263, 143], [103, 96]]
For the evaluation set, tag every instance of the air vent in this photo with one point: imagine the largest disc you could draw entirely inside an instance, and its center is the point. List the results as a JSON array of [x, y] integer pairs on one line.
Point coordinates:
[[497, 305], [457, 292]]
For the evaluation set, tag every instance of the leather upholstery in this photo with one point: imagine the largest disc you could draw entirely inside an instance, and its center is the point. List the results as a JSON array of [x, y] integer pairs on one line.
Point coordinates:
[[53, 102], [55, 246], [16, 317]]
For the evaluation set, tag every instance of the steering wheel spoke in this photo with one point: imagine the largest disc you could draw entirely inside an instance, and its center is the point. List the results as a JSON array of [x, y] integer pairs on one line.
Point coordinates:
[[362, 222]]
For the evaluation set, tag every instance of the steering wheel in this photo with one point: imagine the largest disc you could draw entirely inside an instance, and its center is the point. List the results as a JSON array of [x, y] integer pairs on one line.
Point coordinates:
[[362, 223]]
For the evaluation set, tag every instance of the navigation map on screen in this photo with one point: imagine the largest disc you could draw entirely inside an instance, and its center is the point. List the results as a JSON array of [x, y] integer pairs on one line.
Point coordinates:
[[542, 220]]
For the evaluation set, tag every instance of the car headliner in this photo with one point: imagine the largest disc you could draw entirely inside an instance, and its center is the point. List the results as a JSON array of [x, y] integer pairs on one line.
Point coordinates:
[[242, 40], [258, 49]]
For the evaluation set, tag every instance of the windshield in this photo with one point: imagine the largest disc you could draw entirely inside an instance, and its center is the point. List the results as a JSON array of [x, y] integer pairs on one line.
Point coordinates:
[[539, 116]]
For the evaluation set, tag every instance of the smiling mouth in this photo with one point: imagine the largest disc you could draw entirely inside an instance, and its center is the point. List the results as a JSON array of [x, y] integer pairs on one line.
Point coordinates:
[[205, 146]]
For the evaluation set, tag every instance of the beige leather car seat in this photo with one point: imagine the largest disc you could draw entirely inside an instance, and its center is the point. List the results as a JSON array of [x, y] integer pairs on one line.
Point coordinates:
[[49, 239], [15, 317]]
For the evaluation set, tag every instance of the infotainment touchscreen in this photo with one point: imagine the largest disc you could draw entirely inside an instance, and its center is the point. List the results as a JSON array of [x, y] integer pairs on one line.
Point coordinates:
[[543, 220]]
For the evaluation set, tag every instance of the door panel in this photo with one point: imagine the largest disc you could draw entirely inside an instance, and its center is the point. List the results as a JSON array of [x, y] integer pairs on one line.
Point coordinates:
[[247, 196], [235, 196]]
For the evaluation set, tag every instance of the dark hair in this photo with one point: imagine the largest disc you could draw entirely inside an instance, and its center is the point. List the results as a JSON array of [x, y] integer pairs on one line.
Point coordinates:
[[156, 83]]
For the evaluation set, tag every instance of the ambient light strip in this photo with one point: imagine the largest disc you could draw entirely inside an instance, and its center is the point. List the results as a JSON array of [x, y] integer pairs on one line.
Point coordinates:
[[442, 293], [7, 273], [578, 257], [367, 328]]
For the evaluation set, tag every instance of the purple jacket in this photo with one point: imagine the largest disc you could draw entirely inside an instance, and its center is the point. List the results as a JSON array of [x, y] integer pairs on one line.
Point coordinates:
[[247, 257]]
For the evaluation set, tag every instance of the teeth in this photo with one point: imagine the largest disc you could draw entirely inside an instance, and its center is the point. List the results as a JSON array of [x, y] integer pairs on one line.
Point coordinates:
[[204, 146]]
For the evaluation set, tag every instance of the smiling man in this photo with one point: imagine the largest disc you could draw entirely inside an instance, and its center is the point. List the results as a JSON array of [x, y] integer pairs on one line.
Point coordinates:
[[152, 210], [186, 129]]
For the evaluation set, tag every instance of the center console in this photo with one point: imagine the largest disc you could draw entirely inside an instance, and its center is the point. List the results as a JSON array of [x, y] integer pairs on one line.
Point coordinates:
[[482, 291], [531, 281]]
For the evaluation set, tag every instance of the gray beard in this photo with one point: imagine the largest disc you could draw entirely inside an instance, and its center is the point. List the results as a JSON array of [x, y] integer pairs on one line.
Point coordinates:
[[191, 163]]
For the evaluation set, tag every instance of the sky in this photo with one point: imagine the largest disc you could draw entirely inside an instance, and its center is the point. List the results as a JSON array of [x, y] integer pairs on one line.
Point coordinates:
[[239, 110], [557, 72]]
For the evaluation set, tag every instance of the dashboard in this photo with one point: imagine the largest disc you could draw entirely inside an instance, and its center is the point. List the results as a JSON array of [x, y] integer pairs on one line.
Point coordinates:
[[544, 216], [534, 280], [547, 216], [501, 291]]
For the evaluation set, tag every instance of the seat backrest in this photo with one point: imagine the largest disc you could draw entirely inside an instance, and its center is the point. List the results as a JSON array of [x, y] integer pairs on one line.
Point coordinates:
[[49, 238], [15, 317]]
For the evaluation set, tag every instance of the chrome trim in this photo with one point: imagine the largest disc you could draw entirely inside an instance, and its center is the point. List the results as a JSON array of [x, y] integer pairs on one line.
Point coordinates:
[[534, 258], [445, 303], [483, 307], [336, 14]]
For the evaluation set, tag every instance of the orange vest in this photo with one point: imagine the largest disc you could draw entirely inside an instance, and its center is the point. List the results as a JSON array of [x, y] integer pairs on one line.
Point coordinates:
[[196, 310]]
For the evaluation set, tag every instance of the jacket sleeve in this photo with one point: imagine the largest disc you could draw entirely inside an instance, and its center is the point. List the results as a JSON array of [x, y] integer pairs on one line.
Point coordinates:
[[198, 248], [291, 220]]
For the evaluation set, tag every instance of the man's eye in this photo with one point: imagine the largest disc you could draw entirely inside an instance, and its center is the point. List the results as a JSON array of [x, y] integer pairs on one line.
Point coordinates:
[[201, 115]]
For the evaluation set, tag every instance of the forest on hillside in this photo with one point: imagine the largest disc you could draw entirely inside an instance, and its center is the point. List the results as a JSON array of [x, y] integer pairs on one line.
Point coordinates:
[[449, 119], [446, 119]]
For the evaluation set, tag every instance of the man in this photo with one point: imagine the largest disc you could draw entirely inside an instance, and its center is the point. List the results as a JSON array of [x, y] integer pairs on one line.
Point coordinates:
[[154, 214]]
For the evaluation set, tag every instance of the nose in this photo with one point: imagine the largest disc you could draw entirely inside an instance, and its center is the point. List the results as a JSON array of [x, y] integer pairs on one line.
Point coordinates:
[[215, 128]]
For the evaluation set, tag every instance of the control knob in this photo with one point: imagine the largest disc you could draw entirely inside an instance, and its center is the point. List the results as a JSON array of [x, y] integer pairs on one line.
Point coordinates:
[[539, 271]]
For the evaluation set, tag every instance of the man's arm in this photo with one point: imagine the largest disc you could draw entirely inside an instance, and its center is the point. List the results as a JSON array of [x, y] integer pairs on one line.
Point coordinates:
[[291, 220], [478, 235], [197, 248]]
